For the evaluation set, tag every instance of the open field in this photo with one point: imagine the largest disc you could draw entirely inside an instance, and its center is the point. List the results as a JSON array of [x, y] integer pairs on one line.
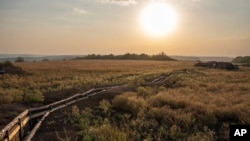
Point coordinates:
[[47, 77], [46, 82], [185, 103]]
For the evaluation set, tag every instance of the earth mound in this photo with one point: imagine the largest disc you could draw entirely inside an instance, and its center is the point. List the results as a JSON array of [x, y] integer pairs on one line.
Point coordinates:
[[8, 68]]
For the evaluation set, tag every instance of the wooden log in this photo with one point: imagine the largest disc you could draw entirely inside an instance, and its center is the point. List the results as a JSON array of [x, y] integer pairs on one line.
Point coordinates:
[[16, 129], [60, 102], [12, 124], [38, 114], [34, 130], [39, 108], [20, 130]]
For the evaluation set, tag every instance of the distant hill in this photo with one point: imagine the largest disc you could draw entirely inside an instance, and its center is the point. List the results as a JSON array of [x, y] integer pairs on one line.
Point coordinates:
[[240, 59]]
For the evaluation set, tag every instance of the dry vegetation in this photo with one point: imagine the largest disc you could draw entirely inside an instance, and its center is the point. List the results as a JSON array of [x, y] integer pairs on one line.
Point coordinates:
[[48, 77], [201, 106], [189, 104]]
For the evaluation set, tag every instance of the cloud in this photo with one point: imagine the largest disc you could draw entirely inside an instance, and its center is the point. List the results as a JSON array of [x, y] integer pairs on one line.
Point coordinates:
[[80, 11], [121, 2]]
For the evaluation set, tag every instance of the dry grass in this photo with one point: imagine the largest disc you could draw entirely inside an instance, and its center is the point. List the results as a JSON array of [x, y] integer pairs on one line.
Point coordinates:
[[200, 106], [53, 76], [191, 103]]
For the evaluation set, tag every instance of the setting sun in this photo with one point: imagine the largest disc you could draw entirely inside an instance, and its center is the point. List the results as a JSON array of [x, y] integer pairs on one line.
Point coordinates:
[[158, 19]]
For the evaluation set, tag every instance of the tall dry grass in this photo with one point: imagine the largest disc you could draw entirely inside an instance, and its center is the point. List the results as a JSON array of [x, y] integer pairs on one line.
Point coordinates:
[[201, 106], [54, 76]]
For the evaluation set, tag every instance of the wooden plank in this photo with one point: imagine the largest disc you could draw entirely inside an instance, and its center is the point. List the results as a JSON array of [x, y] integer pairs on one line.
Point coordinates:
[[17, 128], [12, 124]]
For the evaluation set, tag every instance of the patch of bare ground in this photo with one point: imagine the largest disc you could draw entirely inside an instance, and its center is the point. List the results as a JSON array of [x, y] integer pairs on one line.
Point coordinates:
[[9, 112], [59, 95]]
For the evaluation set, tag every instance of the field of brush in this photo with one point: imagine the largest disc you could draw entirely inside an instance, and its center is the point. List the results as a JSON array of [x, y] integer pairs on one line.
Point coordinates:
[[164, 100]]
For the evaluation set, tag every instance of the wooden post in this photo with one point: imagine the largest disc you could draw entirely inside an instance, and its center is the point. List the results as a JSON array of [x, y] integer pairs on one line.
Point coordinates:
[[20, 130], [30, 121], [7, 135]]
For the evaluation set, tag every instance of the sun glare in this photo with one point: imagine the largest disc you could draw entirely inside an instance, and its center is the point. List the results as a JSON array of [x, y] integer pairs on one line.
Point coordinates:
[[158, 19]]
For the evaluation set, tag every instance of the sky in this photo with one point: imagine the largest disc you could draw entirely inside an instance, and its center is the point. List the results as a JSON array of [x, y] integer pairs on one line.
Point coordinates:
[[51, 27]]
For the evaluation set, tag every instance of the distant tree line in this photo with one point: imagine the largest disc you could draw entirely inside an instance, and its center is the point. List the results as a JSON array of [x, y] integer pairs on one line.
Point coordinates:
[[241, 59], [128, 56]]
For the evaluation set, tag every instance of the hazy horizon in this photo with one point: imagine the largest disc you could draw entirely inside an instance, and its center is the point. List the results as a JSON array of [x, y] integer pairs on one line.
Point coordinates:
[[44, 55], [219, 28], [36, 54]]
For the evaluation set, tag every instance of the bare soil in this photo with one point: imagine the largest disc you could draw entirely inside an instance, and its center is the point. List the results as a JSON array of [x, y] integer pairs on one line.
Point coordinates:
[[9, 112]]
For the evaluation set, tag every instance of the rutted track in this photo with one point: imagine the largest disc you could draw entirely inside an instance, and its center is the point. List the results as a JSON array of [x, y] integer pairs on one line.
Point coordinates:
[[26, 124]]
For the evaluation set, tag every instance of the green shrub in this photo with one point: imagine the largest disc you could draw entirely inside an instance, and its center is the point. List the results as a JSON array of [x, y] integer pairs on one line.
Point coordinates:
[[33, 96], [17, 95], [5, 99], [75, 112], [129, 102], [105, 106], [162, 89], [206, 135], [8, 64], [156, 113], [209, 119], [179, 117], [162, 99], [11, 95], [136, 82], [175, 132], [107, 132], [145, 91]]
